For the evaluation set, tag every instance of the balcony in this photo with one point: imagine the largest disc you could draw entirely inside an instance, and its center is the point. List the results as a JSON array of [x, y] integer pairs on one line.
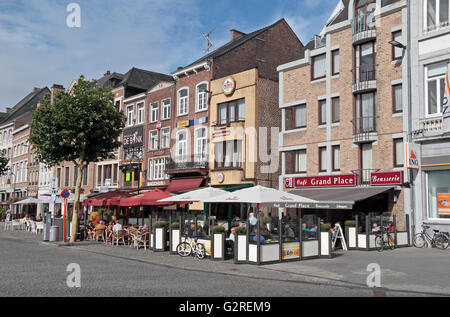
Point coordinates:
[[193, 164], [363, 29], [319, 41], [364, 79], [365, 129], [431, 128], [363, 176]]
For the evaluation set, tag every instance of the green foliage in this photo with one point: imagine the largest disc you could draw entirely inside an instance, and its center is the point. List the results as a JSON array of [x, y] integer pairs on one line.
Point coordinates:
[[350, 223], [175, 225], [81, 126], [4, 160], [241, 230], [2, 213], [218, 229], [161, 224], [267, 220], [105, 214], [325, 227]]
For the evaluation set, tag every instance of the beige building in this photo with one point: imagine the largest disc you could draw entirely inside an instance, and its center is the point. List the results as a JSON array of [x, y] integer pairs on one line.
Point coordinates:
[[343, 112]]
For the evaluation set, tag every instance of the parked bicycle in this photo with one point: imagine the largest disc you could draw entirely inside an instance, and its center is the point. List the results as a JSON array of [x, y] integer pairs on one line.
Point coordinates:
[[440, 240], [384, 239], [190, 246]]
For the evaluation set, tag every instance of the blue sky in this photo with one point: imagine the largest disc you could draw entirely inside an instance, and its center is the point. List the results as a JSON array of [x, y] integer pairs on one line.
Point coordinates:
[[37, 49]]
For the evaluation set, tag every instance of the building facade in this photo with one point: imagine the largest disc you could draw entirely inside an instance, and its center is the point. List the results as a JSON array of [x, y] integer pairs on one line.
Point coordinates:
[[430, 55], [343, 113]]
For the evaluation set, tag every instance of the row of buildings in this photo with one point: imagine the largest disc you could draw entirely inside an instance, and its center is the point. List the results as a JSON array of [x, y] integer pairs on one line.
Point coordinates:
[[353, 115]]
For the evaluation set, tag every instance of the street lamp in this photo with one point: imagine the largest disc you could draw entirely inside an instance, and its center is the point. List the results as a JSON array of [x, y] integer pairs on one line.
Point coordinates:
[[13, 193]]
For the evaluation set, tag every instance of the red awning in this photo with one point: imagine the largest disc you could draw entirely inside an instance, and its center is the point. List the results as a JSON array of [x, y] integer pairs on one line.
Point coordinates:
[[178, 185], [147, 199], [101, 199]]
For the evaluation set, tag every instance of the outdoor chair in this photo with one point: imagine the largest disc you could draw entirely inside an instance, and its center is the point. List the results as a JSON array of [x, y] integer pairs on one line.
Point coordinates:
[[28, 226], [99, 234], [39, 227], [133, 234], [142, 240], [121, 234], [16, 224], [8, 224], [33, 227]]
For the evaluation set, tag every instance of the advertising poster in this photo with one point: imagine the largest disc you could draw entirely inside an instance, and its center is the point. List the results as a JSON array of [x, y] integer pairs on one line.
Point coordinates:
[[291, 251], [444, 204]]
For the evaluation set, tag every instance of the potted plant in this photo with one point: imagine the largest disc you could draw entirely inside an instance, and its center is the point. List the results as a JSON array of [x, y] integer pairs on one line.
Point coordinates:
[[159, 236], [325, 227], [218, 243]]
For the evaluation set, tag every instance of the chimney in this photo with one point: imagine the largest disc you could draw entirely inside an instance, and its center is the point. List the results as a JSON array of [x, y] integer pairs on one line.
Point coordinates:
[[235, 34], [56, 88], [8, 110], [108, 72], [35, 90]]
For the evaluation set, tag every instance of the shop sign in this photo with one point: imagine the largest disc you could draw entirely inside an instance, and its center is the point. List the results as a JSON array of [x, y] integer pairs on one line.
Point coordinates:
[[183, 124], [133, 137], [322, 181], [229, 86], [444, 204], [221, 134], [412, 156], [387, 178], [153, 184], [290, 251]]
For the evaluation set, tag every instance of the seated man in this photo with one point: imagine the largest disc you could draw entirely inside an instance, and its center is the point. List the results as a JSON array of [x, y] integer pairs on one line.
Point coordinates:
[[262, 239]]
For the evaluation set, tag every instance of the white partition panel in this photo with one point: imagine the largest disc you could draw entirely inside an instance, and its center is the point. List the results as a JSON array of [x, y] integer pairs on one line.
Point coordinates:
[[151, 240], [270, 252], [324, 244], [242, 248], [218, 247], [362, 241], [253, 253], [175, 240], [159, 238], [372, 243], [310, 248], [402, 238]]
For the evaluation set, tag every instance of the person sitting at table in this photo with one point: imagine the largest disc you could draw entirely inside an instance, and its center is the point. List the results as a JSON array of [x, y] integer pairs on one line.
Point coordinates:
[[38, 218], [305, 228], [233, 234], [90, 230], [144, 230], [109, 231], [315, 229], [288, 233], [262, 239]]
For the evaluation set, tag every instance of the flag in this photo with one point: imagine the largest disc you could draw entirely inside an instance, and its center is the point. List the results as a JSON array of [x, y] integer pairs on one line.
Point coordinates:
[[446, 104]]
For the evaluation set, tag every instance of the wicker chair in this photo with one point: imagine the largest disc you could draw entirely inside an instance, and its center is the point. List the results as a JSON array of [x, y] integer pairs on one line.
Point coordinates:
[[99, 233], [120, 236], [133, 234], [142, 240]]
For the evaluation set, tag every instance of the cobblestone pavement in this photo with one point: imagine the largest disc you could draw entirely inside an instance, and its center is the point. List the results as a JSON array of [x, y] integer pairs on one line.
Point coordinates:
[[30, 267]]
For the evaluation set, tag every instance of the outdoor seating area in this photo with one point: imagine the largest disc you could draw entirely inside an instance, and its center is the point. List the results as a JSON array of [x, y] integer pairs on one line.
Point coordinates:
[[28, 223]]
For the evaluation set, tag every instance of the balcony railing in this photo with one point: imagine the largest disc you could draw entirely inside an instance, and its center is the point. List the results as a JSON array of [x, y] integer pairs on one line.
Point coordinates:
[[364, 129], [431, 125], [363, 28], [437, 27], [364, 78], [363, 176], [319, 41], [188, 163]]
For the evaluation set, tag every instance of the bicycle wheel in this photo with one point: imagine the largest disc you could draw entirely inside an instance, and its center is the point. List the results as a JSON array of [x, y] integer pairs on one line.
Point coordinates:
[[379, 243], [441, 242], [419, 241], [201, 251], [184, 249]]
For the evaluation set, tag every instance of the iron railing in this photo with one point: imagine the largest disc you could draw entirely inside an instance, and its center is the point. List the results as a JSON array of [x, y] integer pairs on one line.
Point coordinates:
[[363, 23], [187, 163], [363, 176]]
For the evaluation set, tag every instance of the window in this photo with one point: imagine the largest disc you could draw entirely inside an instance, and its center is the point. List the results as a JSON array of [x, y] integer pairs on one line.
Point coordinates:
[[300, 161], [399, 157], [165, 138], [99, 175], [165, 111], [183, 102], [202, 97], [397, 52], [229, 112], [322, 112], [201, 148], [397, 92], [157, 169], [436, 14], [335, 110], [335, 62], [75, 175], [66, 176], [336, 158], [181, 146], [322, 159], [366, 112], [318, 70], [115, 179], [153, 140], [435, 87], [140, 113], [228, 154], [437, 187], [365, 62], [58, 177], [130, 111], [85, 175], [154, 112]]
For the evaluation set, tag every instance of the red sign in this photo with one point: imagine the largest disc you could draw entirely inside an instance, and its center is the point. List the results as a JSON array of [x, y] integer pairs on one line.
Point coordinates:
[[386, 178], [322, 181]]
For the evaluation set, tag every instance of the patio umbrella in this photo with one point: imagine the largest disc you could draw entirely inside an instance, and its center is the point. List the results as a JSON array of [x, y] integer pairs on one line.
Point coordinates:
[[29, 201], [260, 195], [196, 195], [147, 199]]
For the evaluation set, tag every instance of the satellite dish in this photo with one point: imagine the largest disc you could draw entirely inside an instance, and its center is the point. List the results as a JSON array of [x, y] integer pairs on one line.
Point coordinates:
[[208, 40]]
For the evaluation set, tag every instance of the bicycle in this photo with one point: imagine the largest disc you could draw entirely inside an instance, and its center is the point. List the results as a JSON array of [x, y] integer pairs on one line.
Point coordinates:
[[384, 238], [190, 246], [440, 240]]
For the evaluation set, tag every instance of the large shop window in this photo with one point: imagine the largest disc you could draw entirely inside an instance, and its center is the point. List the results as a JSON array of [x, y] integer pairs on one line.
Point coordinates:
[[232, 111], [435, 87], [438, 194], [437, 14], [228, 154]]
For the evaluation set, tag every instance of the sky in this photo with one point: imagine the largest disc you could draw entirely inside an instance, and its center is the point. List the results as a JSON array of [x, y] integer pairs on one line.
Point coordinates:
[[38, 49]]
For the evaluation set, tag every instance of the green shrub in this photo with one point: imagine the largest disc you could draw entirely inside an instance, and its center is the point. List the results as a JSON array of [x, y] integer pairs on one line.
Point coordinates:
[[2, 213], [267, 220], [350, 223], [105, 214], [218, 229], [325, 227], [241, 230], [175, 225], [160, 224]]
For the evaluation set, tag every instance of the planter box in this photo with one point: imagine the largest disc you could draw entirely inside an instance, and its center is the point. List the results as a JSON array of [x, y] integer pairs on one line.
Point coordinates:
[[240, 249], [160, 240], [218, 250], [310, 249], [175, 235], [325, 244], [350, 238]]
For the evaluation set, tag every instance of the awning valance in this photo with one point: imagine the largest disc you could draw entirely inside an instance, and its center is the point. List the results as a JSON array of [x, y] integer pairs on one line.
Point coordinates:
[[179, 185]]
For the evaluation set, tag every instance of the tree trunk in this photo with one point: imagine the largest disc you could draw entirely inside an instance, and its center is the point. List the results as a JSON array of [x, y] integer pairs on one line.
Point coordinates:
[[76, 203]]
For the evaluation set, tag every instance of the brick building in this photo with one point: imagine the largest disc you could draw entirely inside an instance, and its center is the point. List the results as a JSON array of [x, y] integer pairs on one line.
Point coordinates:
[[343, 113]]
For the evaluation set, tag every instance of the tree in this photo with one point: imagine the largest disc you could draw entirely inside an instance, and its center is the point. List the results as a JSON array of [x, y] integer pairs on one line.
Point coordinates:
[[4, 161], [82, 126]]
